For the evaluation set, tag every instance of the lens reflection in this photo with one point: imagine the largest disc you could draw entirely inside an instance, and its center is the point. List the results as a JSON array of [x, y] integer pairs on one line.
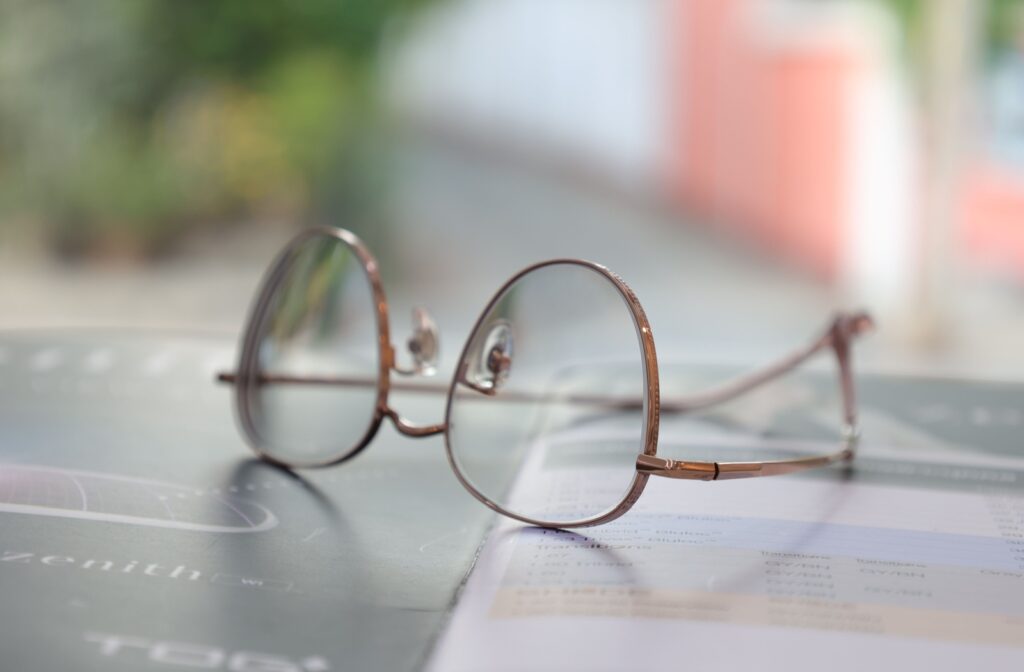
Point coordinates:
[[796, 415], [313, 396], [536, 424]]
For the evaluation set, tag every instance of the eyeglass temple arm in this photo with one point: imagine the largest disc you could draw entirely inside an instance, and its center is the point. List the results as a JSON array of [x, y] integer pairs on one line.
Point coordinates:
[[839, 336], [231, 378]]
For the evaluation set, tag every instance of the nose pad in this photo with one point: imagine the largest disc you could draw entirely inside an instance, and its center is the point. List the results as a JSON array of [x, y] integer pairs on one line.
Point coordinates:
[[492, 364], [425, 344]]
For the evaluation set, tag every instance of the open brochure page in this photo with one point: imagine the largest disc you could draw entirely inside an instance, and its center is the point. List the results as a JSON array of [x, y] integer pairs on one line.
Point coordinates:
[[915, 553]]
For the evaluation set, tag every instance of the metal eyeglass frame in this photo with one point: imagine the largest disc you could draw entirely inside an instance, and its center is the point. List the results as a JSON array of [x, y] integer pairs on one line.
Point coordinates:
[[838, 337]]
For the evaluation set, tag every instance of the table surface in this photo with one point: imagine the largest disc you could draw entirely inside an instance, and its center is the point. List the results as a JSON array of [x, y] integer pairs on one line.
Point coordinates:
[[139, 531]]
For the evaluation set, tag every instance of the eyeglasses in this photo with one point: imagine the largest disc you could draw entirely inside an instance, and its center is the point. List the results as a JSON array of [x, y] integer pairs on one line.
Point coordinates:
[[538, 425]]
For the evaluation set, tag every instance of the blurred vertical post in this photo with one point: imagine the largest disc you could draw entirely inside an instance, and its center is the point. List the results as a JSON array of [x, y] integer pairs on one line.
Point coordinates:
[[952, 31]]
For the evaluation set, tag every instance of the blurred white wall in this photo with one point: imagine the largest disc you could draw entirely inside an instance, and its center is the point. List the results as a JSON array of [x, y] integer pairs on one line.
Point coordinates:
[[584, 80], [600, 85]]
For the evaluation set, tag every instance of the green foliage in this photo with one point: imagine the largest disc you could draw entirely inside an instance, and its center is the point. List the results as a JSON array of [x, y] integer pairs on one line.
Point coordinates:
[[1003, 23], [132, 121]]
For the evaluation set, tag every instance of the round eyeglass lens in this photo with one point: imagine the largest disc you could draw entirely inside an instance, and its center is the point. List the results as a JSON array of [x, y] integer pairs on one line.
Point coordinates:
[[311, 392], [546, 415]]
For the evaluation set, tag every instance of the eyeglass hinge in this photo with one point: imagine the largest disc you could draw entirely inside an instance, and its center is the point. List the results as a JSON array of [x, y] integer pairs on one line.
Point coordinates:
[[660, 466]]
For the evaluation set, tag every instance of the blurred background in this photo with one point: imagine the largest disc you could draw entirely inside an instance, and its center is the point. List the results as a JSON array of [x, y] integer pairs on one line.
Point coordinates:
[[748, 166]]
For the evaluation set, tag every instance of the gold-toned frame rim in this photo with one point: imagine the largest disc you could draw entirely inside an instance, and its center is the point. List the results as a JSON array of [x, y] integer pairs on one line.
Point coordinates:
[[651, 407], [247, 361]]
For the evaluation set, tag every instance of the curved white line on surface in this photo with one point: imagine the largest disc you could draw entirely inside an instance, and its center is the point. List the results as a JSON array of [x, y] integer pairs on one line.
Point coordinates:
[[149, 491], [32, 510]]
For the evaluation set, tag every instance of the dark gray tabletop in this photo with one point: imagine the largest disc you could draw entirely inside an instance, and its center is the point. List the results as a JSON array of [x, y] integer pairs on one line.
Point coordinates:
[[139, 532]]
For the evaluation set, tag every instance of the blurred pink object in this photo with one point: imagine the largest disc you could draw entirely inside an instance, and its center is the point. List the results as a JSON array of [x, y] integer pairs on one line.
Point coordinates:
[[763, 128], [993, 217]]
